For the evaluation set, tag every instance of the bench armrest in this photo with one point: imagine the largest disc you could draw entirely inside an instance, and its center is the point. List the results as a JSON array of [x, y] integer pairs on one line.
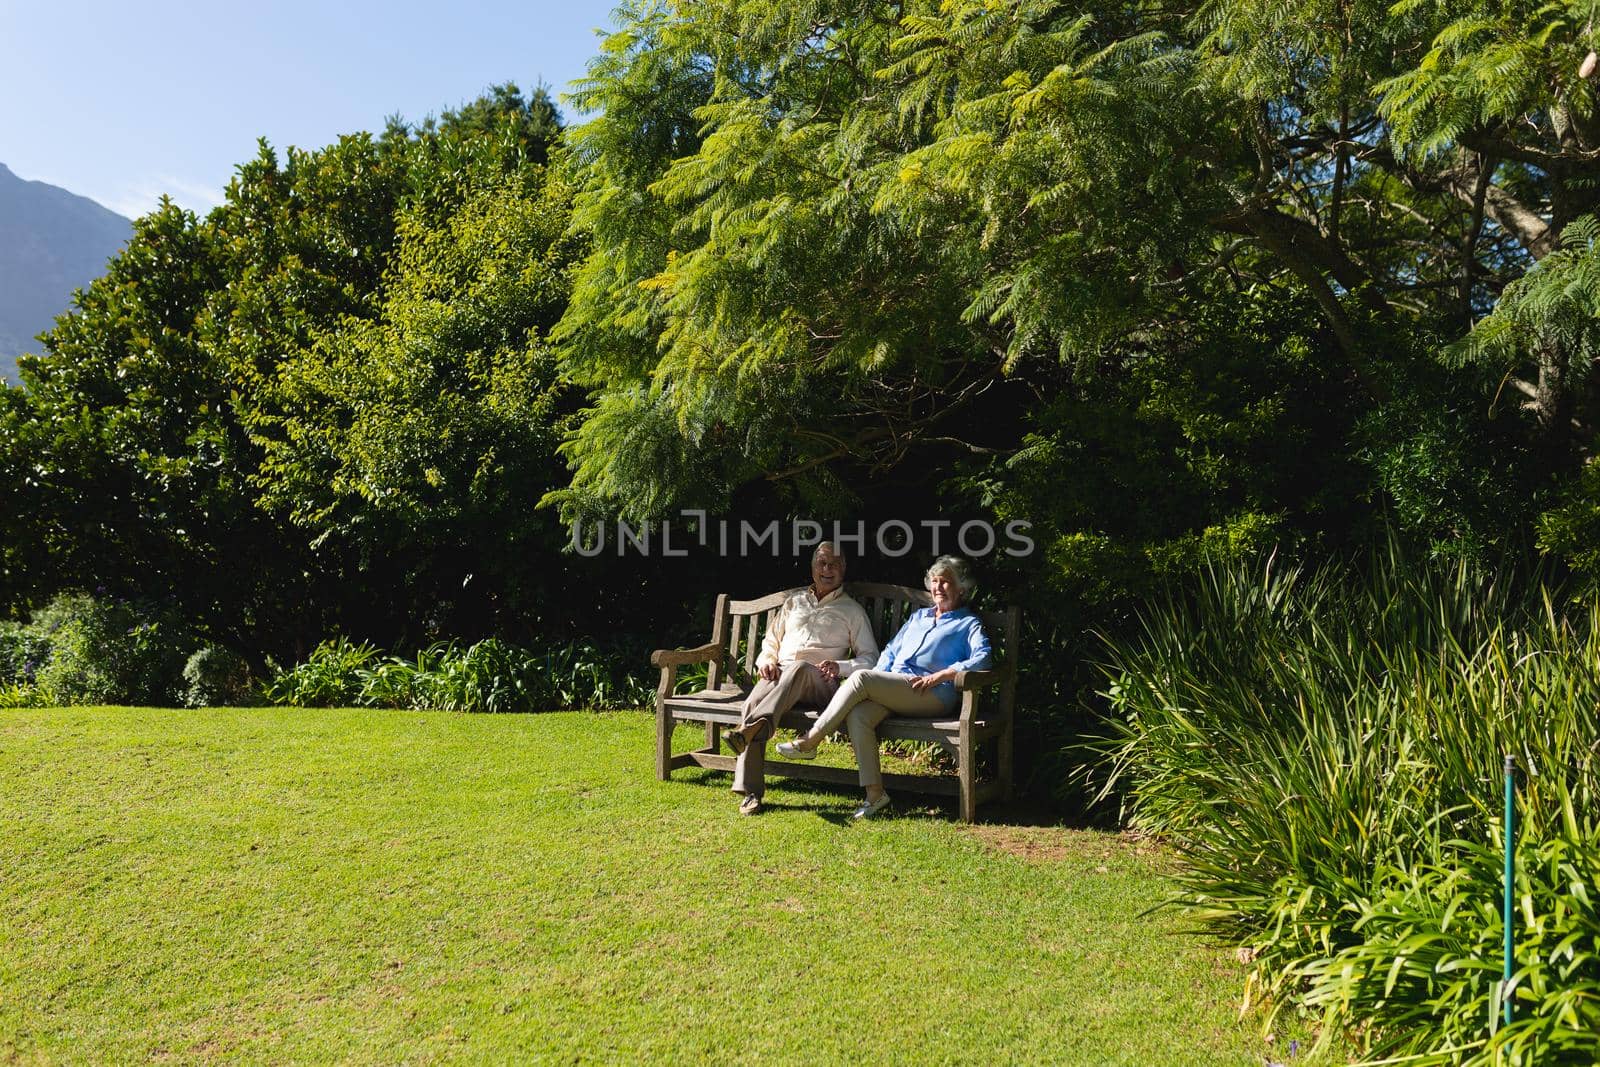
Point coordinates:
[[675, 657], [967, 681], [970, 683]]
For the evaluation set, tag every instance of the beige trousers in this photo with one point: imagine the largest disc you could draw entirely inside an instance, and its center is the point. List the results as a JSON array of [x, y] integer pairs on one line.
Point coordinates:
[[800, 683], [867, 698]]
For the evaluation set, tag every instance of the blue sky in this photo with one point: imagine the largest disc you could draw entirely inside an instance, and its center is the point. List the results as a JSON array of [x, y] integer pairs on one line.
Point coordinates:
[[123, 101]]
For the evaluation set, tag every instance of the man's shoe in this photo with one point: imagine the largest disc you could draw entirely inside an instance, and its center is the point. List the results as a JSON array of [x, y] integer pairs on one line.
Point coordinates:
[[736, 742], [787, 750], [750, 805], [869, 808]]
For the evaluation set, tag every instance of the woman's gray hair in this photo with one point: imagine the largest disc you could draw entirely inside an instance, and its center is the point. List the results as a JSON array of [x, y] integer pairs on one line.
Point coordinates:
[[958, 571]]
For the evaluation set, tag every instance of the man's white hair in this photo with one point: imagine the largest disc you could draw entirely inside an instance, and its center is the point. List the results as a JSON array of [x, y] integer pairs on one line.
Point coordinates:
[[831, 547]]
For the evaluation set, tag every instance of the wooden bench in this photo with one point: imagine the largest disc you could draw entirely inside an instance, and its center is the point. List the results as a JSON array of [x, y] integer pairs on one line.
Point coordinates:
[[985, 712]]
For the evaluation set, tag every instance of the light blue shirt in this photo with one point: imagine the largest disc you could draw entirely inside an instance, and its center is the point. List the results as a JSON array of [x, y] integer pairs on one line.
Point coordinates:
[[925, 645]]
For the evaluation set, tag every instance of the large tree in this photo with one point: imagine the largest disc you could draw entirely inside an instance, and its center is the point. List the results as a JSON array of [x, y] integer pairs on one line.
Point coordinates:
[[859, 232], [280, 414]]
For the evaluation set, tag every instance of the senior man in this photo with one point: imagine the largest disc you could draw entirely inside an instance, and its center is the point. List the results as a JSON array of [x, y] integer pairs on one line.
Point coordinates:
[[819, 636]]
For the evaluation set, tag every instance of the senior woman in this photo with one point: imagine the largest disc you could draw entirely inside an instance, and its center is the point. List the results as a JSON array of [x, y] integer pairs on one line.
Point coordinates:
[[914, 676]]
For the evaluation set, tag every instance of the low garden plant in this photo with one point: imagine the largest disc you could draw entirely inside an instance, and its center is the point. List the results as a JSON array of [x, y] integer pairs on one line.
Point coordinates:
[[488, 676], [1325, 748], [83, 649]]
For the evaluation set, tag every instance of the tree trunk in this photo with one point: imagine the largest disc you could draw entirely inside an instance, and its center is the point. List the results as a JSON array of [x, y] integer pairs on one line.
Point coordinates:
[[1553, 406]]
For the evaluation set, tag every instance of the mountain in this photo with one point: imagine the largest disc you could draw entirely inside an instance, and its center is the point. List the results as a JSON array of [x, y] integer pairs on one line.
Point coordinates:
[[51, 242]]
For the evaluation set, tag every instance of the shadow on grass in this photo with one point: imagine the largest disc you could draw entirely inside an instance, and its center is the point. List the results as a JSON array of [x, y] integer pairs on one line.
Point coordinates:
[[1016, 813]]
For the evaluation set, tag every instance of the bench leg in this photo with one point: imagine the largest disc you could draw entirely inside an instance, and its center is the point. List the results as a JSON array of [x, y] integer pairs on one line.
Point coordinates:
[[713, 736], [664, 727], [1004, 765], [967, 768]]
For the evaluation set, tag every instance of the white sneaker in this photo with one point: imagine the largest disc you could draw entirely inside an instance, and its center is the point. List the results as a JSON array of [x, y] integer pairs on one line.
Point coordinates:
[[787, 750], [869, 808]]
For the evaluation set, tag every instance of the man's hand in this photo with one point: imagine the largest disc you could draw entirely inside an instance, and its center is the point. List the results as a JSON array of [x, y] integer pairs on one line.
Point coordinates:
[[829, 669], [928, 681], [769, 671]]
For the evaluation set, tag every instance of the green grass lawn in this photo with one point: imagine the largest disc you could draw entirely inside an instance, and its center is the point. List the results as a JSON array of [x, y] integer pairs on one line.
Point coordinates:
[[384, 886]]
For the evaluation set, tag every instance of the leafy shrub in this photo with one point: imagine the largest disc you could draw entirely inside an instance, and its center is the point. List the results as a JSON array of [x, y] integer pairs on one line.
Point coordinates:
[[397, 683], [331, 677], [23, 652], [692, 678], [110, 652], [15, 695], [1427, 969], [217, 677], [488, 676], [582, 675], [1303, 736]]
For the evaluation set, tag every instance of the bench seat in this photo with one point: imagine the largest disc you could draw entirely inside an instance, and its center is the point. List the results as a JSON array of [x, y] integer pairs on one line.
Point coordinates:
[[723, 706]]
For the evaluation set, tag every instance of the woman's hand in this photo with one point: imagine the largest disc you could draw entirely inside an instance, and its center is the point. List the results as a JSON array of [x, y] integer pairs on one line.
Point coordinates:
[[928, 681]]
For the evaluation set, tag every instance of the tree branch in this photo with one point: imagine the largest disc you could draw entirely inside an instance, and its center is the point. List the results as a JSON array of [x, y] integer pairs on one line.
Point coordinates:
[[1306, 252], [1552, 163], [1302, 241], [1469, 251], [1509, 213]]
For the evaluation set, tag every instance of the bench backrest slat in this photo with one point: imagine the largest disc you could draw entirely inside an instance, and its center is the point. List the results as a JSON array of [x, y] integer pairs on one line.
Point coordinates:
[[733, 645], [752, 644], [766, 628], [882, 616], [756, 607], [719, 631]]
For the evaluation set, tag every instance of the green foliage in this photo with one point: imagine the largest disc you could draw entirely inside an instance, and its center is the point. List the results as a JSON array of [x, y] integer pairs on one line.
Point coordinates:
[[1315, 741], [329, 678], [933, 755], [20, 695], [105, 651], [1213, 445], [583, 675], [217, 677], [23, 651], [1452, 479], [1555, 306], [746, 310], [1428, 969], [1571, 528], [428, 431], [123, 455], [488, 676], [282, 414], [833, 241], [1490, 66], [514, 131]]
